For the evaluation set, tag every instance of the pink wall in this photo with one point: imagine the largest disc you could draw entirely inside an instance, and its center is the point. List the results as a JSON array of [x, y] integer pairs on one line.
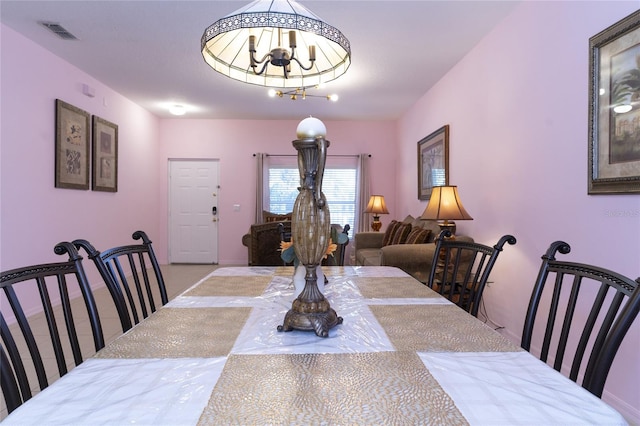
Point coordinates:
[[518, 110], [234, 142], [29, 90], [517, 106], [33, 211], [35, 215]]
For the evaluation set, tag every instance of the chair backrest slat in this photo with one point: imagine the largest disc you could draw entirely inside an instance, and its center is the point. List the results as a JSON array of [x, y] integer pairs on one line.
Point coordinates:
[[133, 276], [613, 302], [51, 279], [53, 325], [566, 323], [124, 282], [145, 282], [589, 326], [29, 339], [8, 381], [17, 366], [114, 269], [460, 269], [603, 333]]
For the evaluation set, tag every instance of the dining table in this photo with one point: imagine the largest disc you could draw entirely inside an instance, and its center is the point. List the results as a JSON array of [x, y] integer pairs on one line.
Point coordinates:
[[402, 355]]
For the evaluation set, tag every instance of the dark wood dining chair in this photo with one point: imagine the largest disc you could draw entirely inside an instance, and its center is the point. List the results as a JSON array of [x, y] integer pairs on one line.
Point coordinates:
[[133, 277], [338, 256], [460, 269], [49, 288], [613, 302], [285, 237]]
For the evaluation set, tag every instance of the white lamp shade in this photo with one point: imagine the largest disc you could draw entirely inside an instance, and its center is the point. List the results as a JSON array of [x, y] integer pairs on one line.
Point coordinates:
[[445, 204], [376, 205]]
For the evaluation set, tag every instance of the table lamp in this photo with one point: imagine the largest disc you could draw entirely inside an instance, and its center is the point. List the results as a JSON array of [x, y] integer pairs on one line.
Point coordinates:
[[377, 207], [445, 205]]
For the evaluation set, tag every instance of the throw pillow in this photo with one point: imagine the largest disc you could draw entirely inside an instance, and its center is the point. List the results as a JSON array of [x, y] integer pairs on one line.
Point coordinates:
[[418, 235], [391, 230], [401, 233], [408, 219]]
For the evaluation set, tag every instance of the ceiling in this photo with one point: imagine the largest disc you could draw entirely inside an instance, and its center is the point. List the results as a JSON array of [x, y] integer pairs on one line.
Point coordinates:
[[149, 51]]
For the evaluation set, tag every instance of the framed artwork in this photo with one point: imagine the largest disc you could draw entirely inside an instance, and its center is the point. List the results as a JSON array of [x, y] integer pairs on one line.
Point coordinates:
[[614, 108], [433, 162], [72, 147], [105, 156]]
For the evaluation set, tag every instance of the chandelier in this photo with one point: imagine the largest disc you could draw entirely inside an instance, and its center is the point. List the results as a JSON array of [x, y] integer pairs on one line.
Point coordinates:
[[300, 93], [249, 45]]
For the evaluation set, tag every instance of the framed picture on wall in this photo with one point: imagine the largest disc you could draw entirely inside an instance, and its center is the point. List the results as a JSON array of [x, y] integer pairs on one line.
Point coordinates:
[[614, 108], [72, 147], [433, 162], [105, 155]]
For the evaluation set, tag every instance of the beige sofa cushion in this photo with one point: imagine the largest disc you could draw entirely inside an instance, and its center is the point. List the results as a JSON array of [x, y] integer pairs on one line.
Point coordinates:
[[418, 235], [368, 257]]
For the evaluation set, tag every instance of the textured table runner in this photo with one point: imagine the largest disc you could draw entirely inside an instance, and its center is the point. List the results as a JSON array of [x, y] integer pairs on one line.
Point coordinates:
[[345, 389], [230, 286], [385, 288], [418, 328], [176, 333]]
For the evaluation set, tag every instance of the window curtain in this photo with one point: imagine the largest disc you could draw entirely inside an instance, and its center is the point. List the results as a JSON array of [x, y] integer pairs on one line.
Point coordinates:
[[362, 219], [260, 158], [364, 192]]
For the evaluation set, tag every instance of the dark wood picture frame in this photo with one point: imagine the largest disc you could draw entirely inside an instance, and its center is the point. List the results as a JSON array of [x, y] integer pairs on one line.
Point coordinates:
[[433, 162], [614, 135], [105, 156], [72, 147]]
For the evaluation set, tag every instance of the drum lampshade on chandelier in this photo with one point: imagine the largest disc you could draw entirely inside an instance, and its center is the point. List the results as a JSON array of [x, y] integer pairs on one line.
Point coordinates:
[[276, 43]]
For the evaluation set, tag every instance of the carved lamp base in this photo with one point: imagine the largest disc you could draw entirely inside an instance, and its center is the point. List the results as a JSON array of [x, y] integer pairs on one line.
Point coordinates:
[[376, 224], [311, 311], [320, 323]]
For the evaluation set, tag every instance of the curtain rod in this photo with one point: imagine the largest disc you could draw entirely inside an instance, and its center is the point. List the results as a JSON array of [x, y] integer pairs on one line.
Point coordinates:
[[328, 155]]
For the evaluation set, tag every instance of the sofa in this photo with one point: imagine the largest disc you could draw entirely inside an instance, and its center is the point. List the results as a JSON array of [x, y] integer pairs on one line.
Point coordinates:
[[407, 244]]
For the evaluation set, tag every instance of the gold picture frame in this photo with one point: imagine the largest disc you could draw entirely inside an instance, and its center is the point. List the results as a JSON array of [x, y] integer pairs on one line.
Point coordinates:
[[614, 133], [105, 156], [72, 147], [433, 162]]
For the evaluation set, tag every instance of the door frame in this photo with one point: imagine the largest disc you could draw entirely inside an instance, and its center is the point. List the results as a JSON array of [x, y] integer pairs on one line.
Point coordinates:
[[171, 160]]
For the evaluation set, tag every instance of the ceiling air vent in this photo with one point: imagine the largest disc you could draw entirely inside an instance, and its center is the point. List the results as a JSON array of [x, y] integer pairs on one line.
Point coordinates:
[[59, 30]]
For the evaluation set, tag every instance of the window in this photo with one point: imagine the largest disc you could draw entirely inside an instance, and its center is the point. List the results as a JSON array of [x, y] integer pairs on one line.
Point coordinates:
[[339, 185]]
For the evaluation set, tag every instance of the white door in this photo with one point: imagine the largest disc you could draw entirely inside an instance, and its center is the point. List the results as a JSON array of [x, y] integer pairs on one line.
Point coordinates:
[[193, 211]]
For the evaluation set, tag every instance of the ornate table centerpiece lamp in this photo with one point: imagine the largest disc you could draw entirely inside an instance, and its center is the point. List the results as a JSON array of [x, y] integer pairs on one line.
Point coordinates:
[[310, 231]]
